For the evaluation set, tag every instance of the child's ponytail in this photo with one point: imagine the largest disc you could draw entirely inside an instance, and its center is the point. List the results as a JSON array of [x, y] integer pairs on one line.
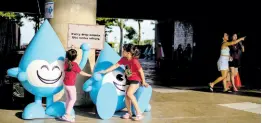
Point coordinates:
[[69, 68], [136, 52], [71, 56]]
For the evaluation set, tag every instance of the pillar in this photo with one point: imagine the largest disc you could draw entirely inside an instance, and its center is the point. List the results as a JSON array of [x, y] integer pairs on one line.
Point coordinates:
[[165, 34], [75, 12]]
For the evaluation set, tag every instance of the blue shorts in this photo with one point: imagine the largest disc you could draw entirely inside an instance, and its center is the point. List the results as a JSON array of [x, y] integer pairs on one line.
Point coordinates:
[[222, 63]]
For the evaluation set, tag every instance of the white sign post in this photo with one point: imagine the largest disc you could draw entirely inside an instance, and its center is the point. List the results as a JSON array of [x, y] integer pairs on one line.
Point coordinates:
[[49, 9], [94, 35]]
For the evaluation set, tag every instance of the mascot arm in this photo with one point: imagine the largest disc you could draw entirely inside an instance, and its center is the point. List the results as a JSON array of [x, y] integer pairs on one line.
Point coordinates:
[[22, 76], [85, 50], [88, 84], [13, 72], [17, 73]]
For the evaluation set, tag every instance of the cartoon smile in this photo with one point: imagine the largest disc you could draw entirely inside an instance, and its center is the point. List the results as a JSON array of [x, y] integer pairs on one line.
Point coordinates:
[[116, 84], [117, 78], [43, 74], [48, 81]]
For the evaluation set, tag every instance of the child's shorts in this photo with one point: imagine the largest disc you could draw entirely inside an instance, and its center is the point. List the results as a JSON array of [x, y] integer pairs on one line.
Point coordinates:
[[129, 82]]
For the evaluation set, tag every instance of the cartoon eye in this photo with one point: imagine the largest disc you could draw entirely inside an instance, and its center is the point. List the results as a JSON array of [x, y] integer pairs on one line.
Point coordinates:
[[55, 67], [44, 66], [119, 77]]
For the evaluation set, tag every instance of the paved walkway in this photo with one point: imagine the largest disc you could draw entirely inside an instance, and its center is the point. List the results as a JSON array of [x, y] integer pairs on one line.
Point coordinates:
[[174, 105]]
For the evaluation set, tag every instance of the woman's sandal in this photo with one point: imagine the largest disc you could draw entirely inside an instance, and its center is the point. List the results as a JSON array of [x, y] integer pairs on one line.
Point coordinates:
[[210, 88], [227, 91], [138, 117], [127, 116], [235, 89]]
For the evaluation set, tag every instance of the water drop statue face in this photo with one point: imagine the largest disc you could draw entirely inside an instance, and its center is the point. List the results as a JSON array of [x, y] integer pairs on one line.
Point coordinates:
[[118, 79], [115, 79], [107, 91], [41, 72]]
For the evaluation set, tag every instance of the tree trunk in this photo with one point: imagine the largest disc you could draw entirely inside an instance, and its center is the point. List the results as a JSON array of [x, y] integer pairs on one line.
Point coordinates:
[[121, 36], [139, 32], [37, 23]]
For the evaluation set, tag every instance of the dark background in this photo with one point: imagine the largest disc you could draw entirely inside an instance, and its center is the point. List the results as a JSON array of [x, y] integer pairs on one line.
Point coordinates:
[[210, 19]]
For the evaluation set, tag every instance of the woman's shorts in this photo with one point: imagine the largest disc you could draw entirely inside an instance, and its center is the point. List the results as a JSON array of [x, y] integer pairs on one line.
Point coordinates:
[[235, 63], [129, 82], [222, 63]]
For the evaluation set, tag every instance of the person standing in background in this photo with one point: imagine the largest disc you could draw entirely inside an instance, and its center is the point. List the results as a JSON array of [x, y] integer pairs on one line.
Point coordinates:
[[160, 54], [150, 52], [145, 53], [235, 55], [188, 54], [223, 62], [179, 56]]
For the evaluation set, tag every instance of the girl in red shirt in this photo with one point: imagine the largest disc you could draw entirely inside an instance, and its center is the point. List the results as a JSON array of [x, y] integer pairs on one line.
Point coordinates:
[[135, 77], [71, 69]]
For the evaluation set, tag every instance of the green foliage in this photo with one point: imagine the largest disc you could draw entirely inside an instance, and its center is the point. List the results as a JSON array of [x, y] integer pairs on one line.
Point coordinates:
[[135, 41], [112, 44], [16, 17], [120, 23], [35, 18], [131, 32], [144, 42], [108, 22], [8, 15], [147, 42]]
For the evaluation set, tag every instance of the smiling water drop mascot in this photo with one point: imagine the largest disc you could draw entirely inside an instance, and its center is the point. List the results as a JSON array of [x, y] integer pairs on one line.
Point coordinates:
[[108, 91], [41, 72]]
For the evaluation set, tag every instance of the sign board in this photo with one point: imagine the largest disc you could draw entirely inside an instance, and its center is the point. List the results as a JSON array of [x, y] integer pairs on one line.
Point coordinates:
[[94, 35], [49, 9]]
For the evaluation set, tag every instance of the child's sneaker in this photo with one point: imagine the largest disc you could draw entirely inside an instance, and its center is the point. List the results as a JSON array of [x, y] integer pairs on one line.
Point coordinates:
[[139, 117], [68, 119], [127, 116]]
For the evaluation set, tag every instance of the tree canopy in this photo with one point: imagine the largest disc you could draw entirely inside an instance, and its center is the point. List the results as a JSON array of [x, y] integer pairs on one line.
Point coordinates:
[[16, 17]]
